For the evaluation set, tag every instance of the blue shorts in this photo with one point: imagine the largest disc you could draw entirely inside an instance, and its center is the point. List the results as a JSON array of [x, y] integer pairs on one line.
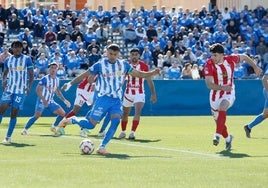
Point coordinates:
[[105, 105], [15, 100], [53, 106]]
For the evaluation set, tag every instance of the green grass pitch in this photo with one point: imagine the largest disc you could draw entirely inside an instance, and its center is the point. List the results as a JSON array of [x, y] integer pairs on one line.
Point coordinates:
[[168, 152]]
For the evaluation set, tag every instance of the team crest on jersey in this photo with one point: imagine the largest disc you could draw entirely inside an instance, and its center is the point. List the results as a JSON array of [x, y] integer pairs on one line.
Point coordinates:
[[224, 75], [19, 68]]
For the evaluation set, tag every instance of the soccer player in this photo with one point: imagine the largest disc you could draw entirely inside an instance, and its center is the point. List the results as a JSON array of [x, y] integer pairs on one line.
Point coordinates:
[[18, 68], [219, 71], [84, 94], [111, 73], [134, 94], [47, 87], [264, 113]]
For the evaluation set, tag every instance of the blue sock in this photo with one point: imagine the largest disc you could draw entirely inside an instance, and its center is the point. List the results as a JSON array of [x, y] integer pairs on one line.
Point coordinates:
[[12, 124], [83, 123], [110, 133], [256, 121], [57, 121], [30, 122], [1, 117], [105, 123]]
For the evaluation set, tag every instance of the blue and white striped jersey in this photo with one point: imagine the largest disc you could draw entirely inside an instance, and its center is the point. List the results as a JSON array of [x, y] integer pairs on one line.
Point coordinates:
[[111, 76], [50, 85], [17, 73]]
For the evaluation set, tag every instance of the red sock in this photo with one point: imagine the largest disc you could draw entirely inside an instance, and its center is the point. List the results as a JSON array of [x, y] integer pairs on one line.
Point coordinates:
[[225, 132], [221, 122], [135, 124], [70, 114], [124, 125]]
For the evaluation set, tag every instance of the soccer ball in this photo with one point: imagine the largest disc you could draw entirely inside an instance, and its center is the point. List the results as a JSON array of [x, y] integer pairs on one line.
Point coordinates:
[[86, 146]]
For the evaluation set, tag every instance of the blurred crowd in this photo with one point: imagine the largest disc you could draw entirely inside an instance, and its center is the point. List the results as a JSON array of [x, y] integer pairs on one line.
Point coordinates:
[[175, 40]]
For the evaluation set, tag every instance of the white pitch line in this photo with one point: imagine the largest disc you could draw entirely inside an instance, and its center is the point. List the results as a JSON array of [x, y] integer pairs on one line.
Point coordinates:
[[146, 146]]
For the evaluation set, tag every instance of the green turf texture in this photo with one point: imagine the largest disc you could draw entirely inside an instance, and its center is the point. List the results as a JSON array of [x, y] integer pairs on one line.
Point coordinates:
[[168, 152]]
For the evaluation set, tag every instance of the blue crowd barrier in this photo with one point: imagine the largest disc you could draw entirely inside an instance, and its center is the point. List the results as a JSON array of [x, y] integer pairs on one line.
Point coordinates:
[[174, 98]]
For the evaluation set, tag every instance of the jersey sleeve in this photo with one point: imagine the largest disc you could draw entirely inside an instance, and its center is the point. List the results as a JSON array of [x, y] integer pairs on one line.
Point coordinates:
[[208, 70], [29, 63], [42, 81]]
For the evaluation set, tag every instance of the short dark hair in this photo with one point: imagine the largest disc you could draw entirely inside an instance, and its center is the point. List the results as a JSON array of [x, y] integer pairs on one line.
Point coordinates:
[[217, 48], [113, 47], [16, 43], [134, 50]]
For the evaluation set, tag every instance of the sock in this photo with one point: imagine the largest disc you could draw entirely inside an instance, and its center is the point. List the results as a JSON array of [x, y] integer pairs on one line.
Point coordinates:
[[221, 122], [70, 114], [1, 117], [124, 125], [83, 123], [30, 122], [12, 124], [135, 124], [110, 133], [256, 121], [105, 123], [57, 121], [228, 138]]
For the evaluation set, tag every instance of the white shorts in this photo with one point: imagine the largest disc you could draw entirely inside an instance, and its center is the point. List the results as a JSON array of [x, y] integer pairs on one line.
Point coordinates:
[[129, 99], [215, 104], [83, 96]]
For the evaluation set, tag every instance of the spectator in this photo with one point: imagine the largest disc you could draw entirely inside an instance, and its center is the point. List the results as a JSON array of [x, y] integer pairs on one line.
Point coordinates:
[[195, 72], [187, 71], [140, 31], [89, 36], [44, 49], [82, 59], [130, 36], [50, 36], [93, 44], [25, 48], [13, 26], [3, 56], [61, 72], [102, 35], [72, 65], [39, 30], [151, 32], [147, 57], [28, 20], [156, 53], [116, 24], [61, 35], [34, 53], [93, 57], [3, 15], [54, 47], [77, 33], [41, 66], [168, 59], [174, 72], [11, 10], [26, 36]]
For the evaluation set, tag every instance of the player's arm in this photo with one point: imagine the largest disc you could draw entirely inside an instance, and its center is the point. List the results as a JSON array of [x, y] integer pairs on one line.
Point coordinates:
[[246, 58], [152, 89], [39, 90], [142, 74], [77, 79], [31, 79], [212, 86], [4, 79], [61, 97]]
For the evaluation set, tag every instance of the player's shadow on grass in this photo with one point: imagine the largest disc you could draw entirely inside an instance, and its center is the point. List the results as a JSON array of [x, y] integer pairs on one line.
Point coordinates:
[[140, 140], [115, 156], [226, 153], [18, 145]]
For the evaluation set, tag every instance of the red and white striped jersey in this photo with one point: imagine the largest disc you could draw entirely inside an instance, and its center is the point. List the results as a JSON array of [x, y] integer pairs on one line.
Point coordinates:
[[85, 85], [136, 85], [223, 74]]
